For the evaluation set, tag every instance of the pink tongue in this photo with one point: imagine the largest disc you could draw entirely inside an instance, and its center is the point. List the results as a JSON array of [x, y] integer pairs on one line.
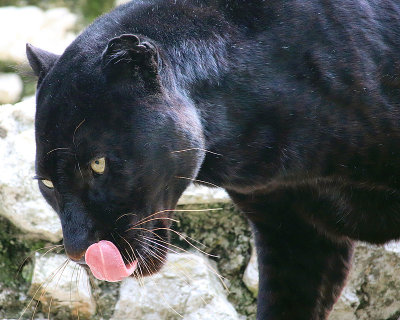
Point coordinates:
[[106, 263]]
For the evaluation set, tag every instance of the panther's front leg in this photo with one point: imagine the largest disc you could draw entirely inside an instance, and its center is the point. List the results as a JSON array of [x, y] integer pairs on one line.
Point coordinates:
[[301, 272]]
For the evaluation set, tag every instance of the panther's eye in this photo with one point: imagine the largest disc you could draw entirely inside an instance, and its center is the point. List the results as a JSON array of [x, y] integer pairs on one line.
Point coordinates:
[[48, 183], [98, 165]]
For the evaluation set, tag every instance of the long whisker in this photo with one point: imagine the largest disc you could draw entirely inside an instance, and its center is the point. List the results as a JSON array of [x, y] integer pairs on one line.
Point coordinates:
[[30, 256], [151, 254], [91, 283], [48, 280], [140, 270], [200, 181], [197, 210], [221, 278], [125, 215], [51, 300], [48, 312], [78, 274], [166, 247], [179, 234], [144, 262], [184, 238], [163, 260], [44, 286], [147, 231], [199, 149], [34, 310], [44, 289], [129, 256], [56, 149], [147, 268], [171, 211], [134, 258], [153, 219], [76, 129], [170, 244], [70, 285], [127, 243], [137, 273], [185, 276], [79, 167]]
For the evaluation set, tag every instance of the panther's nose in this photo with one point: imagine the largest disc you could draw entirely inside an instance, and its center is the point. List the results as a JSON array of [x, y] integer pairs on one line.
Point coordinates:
[[78, 229], [75, 248], [78, 257]]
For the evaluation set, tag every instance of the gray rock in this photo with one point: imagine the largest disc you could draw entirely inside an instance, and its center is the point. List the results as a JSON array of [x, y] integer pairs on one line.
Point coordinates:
[[20, 199], [250, 277], [186, 288], [59, 283], [10, 88], [226, 234], [372, 287], [372, 290]]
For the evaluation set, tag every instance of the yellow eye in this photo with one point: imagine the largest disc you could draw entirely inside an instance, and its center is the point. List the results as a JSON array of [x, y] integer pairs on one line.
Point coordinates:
[[98, 165], [48, 183]]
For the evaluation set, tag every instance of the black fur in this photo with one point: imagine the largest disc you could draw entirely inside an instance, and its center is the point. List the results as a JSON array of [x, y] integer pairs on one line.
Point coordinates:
[[296, 100]]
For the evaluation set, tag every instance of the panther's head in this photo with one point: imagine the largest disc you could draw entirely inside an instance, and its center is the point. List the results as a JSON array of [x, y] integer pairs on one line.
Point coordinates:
[[110, 135]]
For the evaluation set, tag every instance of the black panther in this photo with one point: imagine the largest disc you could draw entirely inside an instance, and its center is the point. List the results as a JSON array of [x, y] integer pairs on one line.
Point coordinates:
[[292, 106]]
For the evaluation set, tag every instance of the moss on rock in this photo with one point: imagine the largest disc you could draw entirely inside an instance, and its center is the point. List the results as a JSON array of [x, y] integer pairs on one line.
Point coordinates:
[[226, 234], [15, 254]]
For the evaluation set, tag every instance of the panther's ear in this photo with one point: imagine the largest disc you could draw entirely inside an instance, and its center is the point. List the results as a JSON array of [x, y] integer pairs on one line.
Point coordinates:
[[126, 55], [40, 60]]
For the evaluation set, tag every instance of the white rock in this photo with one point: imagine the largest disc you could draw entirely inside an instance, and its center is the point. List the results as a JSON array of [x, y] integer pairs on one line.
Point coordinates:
[[51, 30], [203, 195], [55, 284], [250, 277], [186, 288], [393, 246], [119, 2], [20, 199], [11, 87]]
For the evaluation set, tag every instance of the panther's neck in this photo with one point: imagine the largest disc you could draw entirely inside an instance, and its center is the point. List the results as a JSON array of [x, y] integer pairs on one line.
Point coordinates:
[[193, 61]]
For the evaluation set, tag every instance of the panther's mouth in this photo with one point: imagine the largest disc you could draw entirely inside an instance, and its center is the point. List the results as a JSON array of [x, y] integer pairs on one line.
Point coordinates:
[[106, 263]]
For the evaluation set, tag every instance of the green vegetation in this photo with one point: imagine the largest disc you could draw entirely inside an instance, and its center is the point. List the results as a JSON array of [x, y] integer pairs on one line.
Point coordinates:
[[13, 251], [16, 268], [91, 9]]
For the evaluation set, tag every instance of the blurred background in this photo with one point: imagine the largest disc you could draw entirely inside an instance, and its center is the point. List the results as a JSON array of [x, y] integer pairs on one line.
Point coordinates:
[[217, 281]]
